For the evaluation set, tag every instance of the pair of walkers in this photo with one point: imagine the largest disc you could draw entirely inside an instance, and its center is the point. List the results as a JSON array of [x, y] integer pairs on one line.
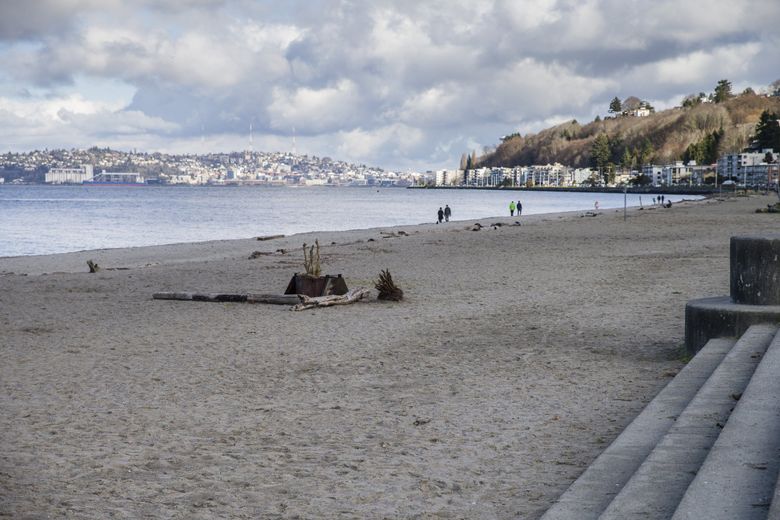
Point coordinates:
[[513, 207], [444, 214]]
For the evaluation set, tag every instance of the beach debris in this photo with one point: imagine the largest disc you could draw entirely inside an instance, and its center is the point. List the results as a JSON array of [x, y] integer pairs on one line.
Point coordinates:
[[352, 296], [394, 234], [270, 237], [590, 214], [314, 286], [95, 268], [770, 208], [497, 224], [281, 251], [420, 422], [311, 261], [200, 297], [387, 288], [258, 254], [299, 302]]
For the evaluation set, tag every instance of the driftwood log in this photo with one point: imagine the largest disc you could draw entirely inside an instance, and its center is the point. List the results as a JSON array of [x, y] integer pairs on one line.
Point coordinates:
[[352, 296], [277, 299], [298, 301], [94, 268]]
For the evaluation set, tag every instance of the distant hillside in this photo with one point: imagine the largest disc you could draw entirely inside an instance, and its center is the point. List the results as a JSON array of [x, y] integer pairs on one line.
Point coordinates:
[[674, 134]]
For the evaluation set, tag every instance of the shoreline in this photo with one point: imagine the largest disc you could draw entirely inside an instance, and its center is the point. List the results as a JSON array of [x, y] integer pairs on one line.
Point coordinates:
[[651, 190], [25, 264], [518, 354]]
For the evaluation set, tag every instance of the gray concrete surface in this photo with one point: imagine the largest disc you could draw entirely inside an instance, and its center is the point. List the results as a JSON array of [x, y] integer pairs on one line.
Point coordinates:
[[719, 317], [592, 492], [739, 476], [658, 485]]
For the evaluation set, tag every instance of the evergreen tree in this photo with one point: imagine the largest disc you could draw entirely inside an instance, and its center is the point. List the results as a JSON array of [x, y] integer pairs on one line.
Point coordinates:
[[774, 88], [768, 131], [722, 91], [463, 161], [691, 100], [647, 153], [600, 152], [615, 107], [616, 147], [628, 160]]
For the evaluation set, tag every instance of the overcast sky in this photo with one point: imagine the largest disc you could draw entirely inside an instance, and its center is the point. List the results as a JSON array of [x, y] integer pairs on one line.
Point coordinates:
[[405, 84]]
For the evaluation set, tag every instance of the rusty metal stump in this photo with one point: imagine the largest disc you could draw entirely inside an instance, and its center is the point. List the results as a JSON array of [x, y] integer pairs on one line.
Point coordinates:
[[314, 286]]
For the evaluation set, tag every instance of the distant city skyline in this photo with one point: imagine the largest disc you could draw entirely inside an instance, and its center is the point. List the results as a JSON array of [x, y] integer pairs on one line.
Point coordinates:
[[399, 85]]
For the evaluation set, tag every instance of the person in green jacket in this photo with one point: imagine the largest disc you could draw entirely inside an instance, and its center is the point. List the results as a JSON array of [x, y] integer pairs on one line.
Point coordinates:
[[512, 208]]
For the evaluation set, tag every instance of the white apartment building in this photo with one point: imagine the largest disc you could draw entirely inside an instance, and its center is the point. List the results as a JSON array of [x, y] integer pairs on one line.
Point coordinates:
[[449, 177], [581, 175], [550, 175]]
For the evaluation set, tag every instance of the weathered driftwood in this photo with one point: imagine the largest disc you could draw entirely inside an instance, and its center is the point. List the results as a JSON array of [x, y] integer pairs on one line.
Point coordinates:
[[270, 237], [352, 296], [299, 301], [94, 268], [388, 290], [276, 299], [200, 297]]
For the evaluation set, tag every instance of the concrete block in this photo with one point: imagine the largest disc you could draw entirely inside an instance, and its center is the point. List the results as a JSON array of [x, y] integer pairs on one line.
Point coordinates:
[[755, 270]]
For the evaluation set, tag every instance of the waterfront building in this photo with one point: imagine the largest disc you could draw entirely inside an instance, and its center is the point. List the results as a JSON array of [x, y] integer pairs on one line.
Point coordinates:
[[748, 168], [69, 175], [105, 177], [449, 177], [677, 173]]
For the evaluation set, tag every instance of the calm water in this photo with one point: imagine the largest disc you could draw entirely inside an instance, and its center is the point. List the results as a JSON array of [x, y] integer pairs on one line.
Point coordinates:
[[38, 220]]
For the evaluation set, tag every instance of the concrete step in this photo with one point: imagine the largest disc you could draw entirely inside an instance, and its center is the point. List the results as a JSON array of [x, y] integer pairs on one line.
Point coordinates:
[[774, 511], [592, 492], [658, 485], [739, 476]]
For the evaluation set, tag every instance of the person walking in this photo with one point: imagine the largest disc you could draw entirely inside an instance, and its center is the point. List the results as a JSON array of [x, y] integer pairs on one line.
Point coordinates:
[[441, 215], [447, 212], [519, 208], [512, 208]]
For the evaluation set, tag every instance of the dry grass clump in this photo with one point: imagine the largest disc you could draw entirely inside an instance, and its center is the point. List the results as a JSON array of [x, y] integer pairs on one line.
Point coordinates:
[[311, 259]]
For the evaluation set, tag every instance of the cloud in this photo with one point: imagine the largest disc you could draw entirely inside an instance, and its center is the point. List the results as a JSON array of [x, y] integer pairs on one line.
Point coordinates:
[[316, 110], [393, 83]]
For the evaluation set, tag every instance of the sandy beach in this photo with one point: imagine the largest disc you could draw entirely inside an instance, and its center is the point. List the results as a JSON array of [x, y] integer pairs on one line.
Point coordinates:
[[517, 356]]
